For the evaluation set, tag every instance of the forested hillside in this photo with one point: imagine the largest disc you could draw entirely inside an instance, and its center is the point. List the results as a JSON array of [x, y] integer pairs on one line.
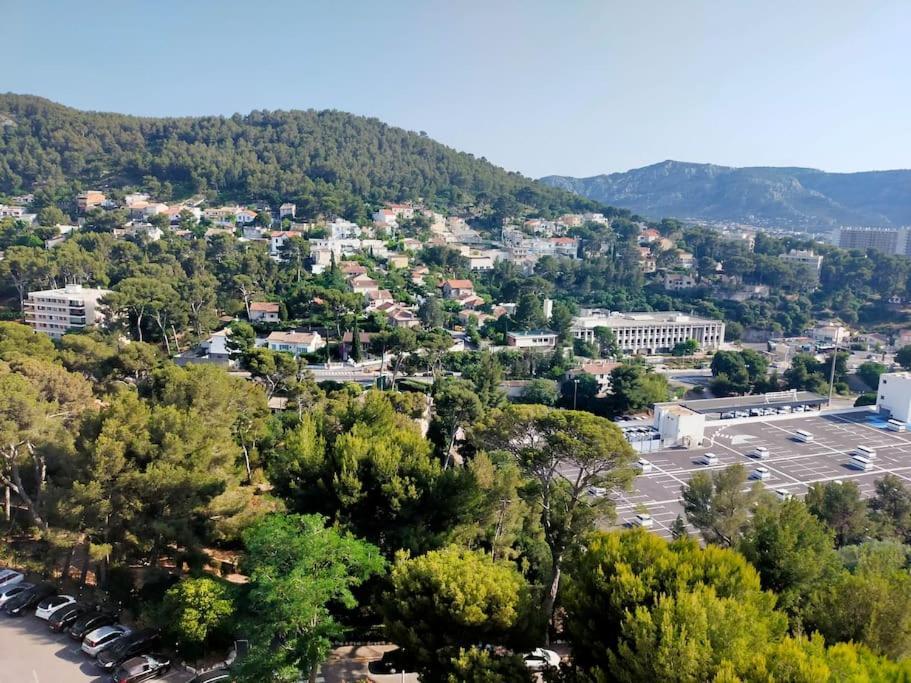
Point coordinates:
[[325, 161], [800, 198]]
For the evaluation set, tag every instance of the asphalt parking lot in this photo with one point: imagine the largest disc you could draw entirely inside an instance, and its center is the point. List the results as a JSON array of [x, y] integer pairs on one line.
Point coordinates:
[[30, 653], [793, 465]]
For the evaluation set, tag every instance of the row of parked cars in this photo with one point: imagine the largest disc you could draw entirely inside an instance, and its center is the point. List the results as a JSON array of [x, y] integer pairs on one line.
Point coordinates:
[[128, 655]]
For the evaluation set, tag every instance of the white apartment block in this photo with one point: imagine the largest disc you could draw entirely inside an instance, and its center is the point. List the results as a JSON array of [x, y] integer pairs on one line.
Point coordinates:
[[54, 312], [650, 333], [894, 395], [804, 257]]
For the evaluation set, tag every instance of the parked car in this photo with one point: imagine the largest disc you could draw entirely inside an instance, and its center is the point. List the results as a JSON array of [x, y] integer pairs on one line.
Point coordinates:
[[761, 473], [597, 491], [760, 453], [67, 615], [131, 645], [216, 676], [89, 622], [8, 577], [51, 604], [539, 659], [95, 642], [709, 459], [392, 662], [29, 598], [142, 668], [783, 495], [644, 520], [7, 593], [644, 465]]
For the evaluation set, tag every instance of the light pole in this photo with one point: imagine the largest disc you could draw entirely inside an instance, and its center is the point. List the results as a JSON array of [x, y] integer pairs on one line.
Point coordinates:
[[575, 392], [832, 371]]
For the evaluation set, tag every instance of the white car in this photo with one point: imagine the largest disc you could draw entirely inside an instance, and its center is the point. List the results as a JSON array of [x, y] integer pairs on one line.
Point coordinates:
[[8, 577], [783, 495], [644, 520], [760, 453], [761, 473], [539, 659], [49, 605], [709, 459], [597, 491], [644, 465], [101, 638], [7, 592]]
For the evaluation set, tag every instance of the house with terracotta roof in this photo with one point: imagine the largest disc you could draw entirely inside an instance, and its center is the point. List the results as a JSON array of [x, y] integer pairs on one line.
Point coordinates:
[[599, 369], [296, 343], [264, 311], [454, 289], [362, 284]]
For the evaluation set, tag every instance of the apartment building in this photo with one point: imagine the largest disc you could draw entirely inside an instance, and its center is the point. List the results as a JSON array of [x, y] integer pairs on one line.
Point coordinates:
[[883, 240], [56, 311], [533, 339], [807, 258], [650, 333]]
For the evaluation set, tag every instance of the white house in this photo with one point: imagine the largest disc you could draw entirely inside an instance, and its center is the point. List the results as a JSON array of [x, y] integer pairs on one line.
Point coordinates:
[[264, 311], [533, 339], [295, 343], [287, 210]]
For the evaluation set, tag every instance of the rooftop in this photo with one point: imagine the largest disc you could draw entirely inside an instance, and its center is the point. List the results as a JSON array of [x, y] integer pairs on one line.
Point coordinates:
[[777, 398], [596, 318]]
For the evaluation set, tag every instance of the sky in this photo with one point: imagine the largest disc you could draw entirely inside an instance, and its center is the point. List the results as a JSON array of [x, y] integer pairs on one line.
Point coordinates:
[[570, 87]]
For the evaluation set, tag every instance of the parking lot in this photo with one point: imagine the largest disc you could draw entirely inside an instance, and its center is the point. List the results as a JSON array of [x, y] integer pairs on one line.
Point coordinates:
[[30, 653], [792, 465]]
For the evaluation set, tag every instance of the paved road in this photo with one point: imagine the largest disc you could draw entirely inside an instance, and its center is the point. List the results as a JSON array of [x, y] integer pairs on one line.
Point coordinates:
[[30, 653]]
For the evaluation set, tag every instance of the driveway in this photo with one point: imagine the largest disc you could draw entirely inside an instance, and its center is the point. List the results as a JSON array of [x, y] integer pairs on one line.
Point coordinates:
[[30, 653]]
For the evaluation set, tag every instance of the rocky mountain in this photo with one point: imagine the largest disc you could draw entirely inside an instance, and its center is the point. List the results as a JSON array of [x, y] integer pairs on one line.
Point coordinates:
[[795, 198]]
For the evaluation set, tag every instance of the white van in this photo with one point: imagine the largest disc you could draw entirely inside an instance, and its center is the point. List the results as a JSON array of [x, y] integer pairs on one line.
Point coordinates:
[[803, 436], [865, 451], [896, 426], [783, 495], [709, 459], [760, 453], [761, 473], [861, 463]]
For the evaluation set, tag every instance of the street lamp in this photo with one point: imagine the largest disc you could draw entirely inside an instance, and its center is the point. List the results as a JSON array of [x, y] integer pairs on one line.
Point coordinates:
[[575, 391]]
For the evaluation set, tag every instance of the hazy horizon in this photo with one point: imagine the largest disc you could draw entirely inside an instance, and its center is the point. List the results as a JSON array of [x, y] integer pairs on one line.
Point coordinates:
[[582, 89]]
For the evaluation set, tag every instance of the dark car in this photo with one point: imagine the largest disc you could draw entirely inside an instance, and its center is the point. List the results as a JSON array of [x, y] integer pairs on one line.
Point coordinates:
[[142, 668], [67, 615], [216, 676], [131, 645], [392, 662], [89, 621], [17, 605]]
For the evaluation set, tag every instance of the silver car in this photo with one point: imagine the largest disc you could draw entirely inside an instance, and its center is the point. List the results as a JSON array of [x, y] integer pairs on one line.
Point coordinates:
[[11, 591], [8, 577], [102, 638]]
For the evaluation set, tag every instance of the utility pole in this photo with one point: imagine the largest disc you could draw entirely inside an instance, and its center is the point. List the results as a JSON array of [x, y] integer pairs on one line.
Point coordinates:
[[832, 372], [575, 392]]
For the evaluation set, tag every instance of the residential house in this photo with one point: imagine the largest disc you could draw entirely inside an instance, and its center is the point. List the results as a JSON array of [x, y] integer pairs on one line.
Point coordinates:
[[7, 211], [831, 332], [398, 261], [244, 216], [348, 341], [264, 311], [378, 296], [277, 241], [352, 268], [470, 301], [287, 210], [599, 369], [399, 316], [647, 261], [685, 259], [296, 343], [533, 339], [362, 284], [649, 235], [418, 274], [454, 289], [89, 200], [675, 282]]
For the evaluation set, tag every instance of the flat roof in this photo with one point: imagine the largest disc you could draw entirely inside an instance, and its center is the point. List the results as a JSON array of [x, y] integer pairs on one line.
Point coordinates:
[[720, 405], [596, 318]]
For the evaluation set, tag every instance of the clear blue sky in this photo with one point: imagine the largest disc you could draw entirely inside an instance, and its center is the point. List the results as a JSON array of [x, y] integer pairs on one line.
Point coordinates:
[[556, 86]]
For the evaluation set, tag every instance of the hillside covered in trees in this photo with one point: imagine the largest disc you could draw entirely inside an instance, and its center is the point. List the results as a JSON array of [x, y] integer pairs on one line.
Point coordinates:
[[324, 161]]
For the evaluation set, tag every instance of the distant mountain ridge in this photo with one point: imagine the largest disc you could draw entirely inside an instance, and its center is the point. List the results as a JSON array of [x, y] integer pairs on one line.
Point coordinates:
[[795, 198]]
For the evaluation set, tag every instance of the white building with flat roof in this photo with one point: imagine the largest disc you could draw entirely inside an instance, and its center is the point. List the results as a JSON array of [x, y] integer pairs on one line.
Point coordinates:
[[894, 395], [650, 333], [55, 312]]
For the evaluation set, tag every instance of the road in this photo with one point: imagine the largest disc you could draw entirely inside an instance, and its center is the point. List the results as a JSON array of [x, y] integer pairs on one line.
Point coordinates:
[[30, 653]]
